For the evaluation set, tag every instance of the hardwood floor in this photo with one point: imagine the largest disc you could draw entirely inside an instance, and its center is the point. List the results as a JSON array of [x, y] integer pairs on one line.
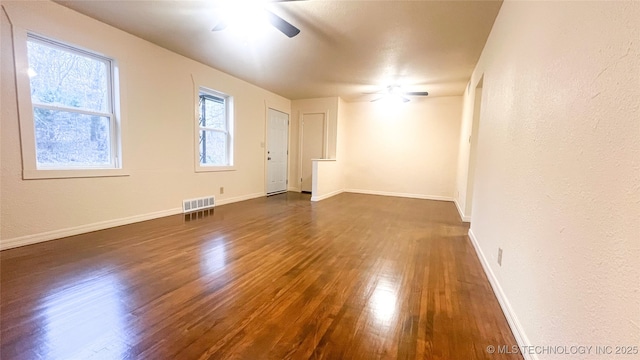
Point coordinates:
[[353, 276]]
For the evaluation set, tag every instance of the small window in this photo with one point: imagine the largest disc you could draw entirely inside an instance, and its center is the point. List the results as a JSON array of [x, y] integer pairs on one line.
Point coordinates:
[[215, 129], [72, 96]]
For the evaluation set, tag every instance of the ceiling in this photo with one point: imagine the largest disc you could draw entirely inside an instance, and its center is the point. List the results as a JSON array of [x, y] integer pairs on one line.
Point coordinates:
[[345, 48]]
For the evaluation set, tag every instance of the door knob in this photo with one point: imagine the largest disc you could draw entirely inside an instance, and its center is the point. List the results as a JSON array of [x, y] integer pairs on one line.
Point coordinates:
[[268, 158]]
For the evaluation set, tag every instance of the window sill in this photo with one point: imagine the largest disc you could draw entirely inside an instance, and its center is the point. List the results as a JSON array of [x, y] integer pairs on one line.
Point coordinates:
[[63, 174], [215, 168]]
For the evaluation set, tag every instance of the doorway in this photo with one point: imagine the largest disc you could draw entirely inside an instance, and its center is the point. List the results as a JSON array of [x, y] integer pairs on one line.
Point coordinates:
[[277, 152], [473, 147], [312, 128]]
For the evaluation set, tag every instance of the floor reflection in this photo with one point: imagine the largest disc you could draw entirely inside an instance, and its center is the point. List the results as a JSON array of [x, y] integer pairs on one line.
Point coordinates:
[[86, 320], [383, 302], [198, 214], [214, 256]]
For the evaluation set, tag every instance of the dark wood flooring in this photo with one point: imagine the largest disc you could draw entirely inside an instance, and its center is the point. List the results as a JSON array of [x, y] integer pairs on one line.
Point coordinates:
[[353, 276]]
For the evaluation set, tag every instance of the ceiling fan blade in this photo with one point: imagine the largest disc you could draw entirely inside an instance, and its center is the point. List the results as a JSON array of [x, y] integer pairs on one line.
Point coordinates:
[[220, 26], [416, 93], [282, 25], [377, 99]]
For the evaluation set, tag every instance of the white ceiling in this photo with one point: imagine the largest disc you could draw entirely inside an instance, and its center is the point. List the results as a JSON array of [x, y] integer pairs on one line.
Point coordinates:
[[345, 48]]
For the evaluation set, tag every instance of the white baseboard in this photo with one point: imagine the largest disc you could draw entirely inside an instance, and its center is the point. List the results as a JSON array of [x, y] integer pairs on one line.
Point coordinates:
[[405, 195], [239, 198], [326, 196], [463, 217], [512, 319], [101, 225]]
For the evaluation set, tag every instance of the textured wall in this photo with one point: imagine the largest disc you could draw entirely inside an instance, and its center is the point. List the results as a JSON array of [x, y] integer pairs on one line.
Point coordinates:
[[158, 141], [558, 176], [409, 149]]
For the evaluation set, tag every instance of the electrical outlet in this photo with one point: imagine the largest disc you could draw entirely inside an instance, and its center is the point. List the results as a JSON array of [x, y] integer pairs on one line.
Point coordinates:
[[221, 189], [500, 256]]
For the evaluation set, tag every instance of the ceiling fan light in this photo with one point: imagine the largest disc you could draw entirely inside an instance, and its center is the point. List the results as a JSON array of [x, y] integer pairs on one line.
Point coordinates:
[[393, 99], [399, 99], [251, 18], [245, 18], [394, 90]]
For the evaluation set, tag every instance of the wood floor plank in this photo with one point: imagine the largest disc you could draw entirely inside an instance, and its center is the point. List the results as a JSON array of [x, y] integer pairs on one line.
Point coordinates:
[[351, 277]]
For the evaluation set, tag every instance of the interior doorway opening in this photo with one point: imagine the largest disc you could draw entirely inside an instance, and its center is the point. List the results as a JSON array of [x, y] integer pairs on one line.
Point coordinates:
[[473, 148], [312, 145]]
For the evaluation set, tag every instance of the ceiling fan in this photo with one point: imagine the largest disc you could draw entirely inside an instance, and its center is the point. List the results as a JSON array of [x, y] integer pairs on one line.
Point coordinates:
[[257, 14], [395, 92]]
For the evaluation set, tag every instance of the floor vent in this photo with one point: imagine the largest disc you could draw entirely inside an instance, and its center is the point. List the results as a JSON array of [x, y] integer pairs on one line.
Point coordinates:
[[198, 204]]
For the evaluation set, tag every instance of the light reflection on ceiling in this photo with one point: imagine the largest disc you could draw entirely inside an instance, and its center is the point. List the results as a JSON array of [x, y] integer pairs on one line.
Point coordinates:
[[344, 48]]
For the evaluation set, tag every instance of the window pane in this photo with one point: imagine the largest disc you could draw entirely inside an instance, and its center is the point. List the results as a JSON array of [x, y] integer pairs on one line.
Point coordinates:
[[67, 139], [213, 114], [66, 78], [213, 148]]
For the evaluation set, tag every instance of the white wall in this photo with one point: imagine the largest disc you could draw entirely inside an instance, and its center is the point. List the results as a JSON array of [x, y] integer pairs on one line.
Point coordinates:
[[329, 175], [341, 131], [327, 179], [558, 170], [158, 141], [405, 150]]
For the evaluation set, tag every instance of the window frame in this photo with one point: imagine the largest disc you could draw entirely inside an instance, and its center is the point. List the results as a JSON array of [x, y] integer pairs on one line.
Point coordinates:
[[26, 107], [110, 114], [200, 92]]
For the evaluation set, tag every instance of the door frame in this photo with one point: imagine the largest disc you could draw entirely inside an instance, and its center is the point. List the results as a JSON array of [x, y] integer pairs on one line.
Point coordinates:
[[473, 148], [325, 142], [266, 144]]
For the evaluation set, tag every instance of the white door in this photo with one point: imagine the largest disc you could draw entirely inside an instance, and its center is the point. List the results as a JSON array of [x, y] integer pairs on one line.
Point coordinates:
[[277, 135], [312, 145]]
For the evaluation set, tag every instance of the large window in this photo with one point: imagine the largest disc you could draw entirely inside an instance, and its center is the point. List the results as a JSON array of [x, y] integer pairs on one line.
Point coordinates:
[[72, 95], [215, 125]]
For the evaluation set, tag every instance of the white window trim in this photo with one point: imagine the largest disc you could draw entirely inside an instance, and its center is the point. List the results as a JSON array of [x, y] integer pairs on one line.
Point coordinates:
[[230, 115], [30, 169]]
